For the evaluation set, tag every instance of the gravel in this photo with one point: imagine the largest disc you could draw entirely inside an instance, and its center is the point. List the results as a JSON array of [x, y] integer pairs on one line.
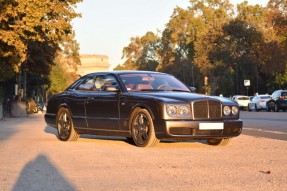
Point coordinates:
[[32, 158]]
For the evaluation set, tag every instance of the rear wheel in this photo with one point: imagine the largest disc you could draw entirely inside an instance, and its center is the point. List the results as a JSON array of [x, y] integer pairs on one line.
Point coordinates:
[[249, 109], [256, 108], [268, 107], [142, 128], [218, 142], [65, 127]]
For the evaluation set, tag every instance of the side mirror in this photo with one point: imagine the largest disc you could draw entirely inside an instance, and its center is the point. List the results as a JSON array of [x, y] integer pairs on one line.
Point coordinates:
[[192, 89]]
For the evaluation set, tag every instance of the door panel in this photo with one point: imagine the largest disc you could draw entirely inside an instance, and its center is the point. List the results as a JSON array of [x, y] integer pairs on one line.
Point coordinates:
[[76, 103], [102, 110], [102, 105]]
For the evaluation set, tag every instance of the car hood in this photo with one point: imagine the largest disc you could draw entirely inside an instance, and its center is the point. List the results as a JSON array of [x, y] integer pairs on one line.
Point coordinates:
[[183, 96]]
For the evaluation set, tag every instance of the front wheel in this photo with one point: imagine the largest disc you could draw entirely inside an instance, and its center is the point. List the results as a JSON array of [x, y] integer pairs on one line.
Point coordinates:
[[249, 109], [268, 107], [65, 127], [276, 108], [142, 128], [218, 142]]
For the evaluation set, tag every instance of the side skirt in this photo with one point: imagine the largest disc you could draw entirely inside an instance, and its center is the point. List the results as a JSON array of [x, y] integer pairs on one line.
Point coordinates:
[[103, 132]]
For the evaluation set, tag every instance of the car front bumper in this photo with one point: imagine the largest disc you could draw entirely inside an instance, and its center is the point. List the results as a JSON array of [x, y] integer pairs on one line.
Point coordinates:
[[191, 129]]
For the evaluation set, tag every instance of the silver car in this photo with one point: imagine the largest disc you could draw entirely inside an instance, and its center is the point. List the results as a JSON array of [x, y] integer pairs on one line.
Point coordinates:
[[258, 102]]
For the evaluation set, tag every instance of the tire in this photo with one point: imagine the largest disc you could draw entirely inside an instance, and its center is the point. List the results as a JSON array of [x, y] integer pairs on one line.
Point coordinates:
[[256, 108], [249, 108], [218, 142], [268, 107], [65, 127], [142, 129], [276, 108]]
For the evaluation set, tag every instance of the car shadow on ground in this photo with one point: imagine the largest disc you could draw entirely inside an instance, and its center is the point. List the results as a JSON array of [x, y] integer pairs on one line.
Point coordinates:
[[114, 139], [53, 131], [41, 174]]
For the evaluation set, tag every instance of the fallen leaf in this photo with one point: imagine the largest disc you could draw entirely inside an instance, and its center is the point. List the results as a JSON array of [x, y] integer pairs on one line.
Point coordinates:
[[265, 172]]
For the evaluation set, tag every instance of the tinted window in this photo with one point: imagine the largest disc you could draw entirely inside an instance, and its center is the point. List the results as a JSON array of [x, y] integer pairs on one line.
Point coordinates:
[[98, 83], [86, 85], [243, 98], [264, 97], [284, 94], [103, 82]]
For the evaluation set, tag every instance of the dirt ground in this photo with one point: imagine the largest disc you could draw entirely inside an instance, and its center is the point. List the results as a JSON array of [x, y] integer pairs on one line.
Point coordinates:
[[32, 158]]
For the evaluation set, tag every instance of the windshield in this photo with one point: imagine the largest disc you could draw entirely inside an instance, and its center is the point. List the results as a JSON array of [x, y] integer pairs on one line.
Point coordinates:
[[152, 82]]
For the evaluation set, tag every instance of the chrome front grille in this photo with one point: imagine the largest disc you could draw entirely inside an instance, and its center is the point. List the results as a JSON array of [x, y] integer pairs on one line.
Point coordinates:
[[206, 109]]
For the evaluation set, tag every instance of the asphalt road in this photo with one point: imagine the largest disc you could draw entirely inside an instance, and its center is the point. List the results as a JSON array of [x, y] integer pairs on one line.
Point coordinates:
[[271, 125], [33, 159]]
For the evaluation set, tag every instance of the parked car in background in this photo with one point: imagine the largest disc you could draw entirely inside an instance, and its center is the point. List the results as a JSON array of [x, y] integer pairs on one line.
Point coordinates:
[[258, 102], [144, 107], [278, 101], [242, 101]]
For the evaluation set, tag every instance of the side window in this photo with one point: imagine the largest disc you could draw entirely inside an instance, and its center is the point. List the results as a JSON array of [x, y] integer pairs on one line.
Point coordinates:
[[86, 85], [101, 83], [98, 83]]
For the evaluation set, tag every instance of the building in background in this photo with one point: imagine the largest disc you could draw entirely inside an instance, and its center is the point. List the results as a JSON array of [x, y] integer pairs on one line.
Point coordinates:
[[93, 63]]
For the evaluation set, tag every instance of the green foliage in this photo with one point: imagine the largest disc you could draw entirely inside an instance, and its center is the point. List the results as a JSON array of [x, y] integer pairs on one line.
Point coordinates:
[[209, 39], [63, 73], [32, 23], [31, 34], [58, 79], [142, 53]]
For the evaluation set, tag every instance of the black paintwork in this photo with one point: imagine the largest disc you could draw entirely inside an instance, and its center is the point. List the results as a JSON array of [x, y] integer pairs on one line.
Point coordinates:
[[108, 112]]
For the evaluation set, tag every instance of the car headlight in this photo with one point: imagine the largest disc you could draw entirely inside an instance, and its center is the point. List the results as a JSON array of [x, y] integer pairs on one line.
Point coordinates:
[[177, 110], [171, 110], [183, 110], [234, 110], [226, 110]]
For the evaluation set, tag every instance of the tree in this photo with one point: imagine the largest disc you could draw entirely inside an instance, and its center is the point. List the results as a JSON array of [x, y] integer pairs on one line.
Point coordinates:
[[238, 50], [189, 36], [62, 73], [276, 58], [141, 53], [27, 26]]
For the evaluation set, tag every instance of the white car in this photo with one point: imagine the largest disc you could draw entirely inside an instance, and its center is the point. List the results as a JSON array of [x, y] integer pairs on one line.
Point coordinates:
[[258, 102], [242, 101]]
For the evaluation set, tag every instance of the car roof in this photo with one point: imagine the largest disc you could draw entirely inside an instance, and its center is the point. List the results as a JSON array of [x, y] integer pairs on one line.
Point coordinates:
[[119, 72]]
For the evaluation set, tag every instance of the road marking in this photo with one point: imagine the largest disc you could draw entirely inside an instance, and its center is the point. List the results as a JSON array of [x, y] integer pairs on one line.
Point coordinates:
[[274, 132]]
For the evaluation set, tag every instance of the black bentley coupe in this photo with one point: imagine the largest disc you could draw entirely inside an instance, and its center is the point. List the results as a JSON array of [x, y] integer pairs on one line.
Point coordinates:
[[144, 107]]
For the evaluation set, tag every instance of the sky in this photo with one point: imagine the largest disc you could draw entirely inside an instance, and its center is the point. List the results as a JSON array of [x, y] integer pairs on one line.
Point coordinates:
[[106, 26]]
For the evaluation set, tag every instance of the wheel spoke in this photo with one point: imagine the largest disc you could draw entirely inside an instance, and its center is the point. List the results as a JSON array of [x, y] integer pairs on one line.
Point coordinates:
[[64, 125], [141, 119], [140, 128], [144, 135]]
